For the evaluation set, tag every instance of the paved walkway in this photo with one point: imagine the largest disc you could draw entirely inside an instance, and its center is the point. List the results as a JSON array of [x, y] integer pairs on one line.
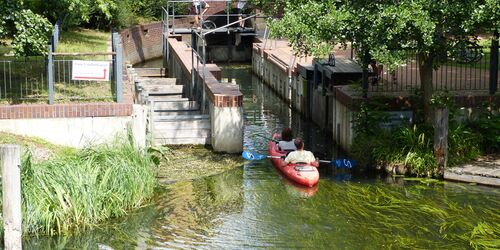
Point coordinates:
[[485, 171]]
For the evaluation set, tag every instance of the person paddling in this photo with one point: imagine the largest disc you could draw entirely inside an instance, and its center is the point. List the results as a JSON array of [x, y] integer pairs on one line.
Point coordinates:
[[286, 143], [300, 155]]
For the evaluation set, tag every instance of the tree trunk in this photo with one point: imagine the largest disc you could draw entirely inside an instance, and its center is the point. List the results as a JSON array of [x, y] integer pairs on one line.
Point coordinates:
[[425, 69], [441, 139]]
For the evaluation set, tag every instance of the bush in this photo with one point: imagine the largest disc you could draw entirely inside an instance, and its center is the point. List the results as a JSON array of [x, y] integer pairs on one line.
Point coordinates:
[[83, 188], [487, 124], [411, 146]]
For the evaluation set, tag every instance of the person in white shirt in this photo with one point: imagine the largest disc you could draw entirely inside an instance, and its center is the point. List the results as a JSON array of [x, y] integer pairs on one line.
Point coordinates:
[[239, 10], [300, 155], [200, 7], [286, 143]]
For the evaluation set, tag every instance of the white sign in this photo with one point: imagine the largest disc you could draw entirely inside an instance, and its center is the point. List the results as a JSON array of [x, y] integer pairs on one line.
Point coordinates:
[[396, 118], [90, 70]]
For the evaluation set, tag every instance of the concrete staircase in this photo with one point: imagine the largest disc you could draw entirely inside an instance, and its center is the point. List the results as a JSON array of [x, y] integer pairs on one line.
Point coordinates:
[[174, 119]]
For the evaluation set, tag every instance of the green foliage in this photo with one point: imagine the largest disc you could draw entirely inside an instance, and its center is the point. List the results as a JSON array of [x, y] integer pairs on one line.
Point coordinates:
[[463, 144], [367, 120], [80, 189], [487, 124], [442, 99], [411, 147], [32, 34], [29, 31]]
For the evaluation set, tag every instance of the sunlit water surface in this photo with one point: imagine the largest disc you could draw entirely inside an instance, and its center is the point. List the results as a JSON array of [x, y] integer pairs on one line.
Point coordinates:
[[254, 207]]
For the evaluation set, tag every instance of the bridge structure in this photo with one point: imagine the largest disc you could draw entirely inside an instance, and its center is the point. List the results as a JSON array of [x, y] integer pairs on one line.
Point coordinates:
[[194, 105]]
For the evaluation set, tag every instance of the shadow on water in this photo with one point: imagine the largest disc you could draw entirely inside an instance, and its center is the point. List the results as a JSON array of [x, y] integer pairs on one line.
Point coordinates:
[[254, 207]]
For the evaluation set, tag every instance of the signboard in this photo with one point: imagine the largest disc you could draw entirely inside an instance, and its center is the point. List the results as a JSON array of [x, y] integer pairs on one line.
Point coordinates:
[[396, 118], [90, 70]]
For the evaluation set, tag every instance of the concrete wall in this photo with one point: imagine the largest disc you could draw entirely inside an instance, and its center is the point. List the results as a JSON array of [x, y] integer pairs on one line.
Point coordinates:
[[81, 131], [227, 128], [327, 111]]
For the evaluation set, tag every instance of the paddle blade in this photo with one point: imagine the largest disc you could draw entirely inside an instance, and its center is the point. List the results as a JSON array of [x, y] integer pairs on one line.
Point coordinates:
[[344, 163], [252, 156]]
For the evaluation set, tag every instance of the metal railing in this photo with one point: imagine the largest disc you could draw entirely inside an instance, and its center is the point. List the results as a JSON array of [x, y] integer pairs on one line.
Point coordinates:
[[23, 80], [61, 86], [452, 76], [199, 52], [169, 17], [48, 79], [198, 45]]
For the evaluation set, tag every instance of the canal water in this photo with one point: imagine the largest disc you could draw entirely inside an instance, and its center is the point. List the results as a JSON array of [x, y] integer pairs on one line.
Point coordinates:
[[252, 206]]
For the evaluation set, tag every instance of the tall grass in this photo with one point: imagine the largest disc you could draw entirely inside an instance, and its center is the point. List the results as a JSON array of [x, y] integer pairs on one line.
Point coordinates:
[[80, 189]]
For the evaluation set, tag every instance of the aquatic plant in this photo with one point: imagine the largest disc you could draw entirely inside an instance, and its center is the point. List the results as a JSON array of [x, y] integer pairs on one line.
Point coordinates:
[[79, 189]]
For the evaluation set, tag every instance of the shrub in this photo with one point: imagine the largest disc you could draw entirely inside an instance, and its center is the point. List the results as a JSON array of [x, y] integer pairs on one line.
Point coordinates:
[[83, 188]]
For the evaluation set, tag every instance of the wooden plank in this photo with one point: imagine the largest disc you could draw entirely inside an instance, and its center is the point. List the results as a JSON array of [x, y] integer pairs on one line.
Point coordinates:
[[11, 184]]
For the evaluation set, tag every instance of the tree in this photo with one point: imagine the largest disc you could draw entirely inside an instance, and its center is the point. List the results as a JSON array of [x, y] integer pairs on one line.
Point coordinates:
[[29, 31], [385, 29]]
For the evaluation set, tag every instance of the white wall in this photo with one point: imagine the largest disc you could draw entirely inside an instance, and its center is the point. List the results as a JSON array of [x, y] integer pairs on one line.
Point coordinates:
[[80, 132]]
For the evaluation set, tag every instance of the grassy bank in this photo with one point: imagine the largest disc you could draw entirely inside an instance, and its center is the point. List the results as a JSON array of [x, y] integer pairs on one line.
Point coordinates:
[[40, 149], [77, 189], [84, 40]]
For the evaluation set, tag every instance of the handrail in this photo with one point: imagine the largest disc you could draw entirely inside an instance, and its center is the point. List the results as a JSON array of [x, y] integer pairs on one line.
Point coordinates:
[[227, 25]]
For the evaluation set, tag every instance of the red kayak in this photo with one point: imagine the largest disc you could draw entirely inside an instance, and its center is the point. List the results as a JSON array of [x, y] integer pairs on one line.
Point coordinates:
[[302, 174]]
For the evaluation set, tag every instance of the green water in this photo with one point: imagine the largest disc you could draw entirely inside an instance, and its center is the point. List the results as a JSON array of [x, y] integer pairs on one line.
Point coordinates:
[[253, 207]]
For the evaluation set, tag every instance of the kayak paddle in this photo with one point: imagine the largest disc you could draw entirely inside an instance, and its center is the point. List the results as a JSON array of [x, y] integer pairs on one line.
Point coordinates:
[[339, 163]]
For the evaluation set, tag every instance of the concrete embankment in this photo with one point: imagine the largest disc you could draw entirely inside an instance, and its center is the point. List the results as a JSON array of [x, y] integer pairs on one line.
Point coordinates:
[[484, 171]]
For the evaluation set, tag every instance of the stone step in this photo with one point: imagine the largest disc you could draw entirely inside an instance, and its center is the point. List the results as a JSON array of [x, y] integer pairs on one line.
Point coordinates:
[[167, 98], [144, 81], [162, 89], [180, 134], [151, 72], [182, 124], [180, 118], [176, 105], [183, 141], [176, 113]]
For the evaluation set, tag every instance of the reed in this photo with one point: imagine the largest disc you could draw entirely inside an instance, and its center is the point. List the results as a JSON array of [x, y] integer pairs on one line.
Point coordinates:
[[79, 189]]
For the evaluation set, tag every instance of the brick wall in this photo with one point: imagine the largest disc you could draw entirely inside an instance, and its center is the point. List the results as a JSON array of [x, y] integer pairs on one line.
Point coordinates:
[[142, 42], [65, 110]]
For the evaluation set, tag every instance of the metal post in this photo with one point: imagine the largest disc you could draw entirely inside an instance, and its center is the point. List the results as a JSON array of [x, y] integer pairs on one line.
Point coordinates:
[[50, 75], [203, 98], [494, 63], [227, 14], [118, 68], [193, 44], [173, 18], [56, 35], [11, 185]]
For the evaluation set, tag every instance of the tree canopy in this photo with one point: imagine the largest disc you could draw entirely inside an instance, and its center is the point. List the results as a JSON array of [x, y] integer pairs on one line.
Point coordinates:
[[28, 23]]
